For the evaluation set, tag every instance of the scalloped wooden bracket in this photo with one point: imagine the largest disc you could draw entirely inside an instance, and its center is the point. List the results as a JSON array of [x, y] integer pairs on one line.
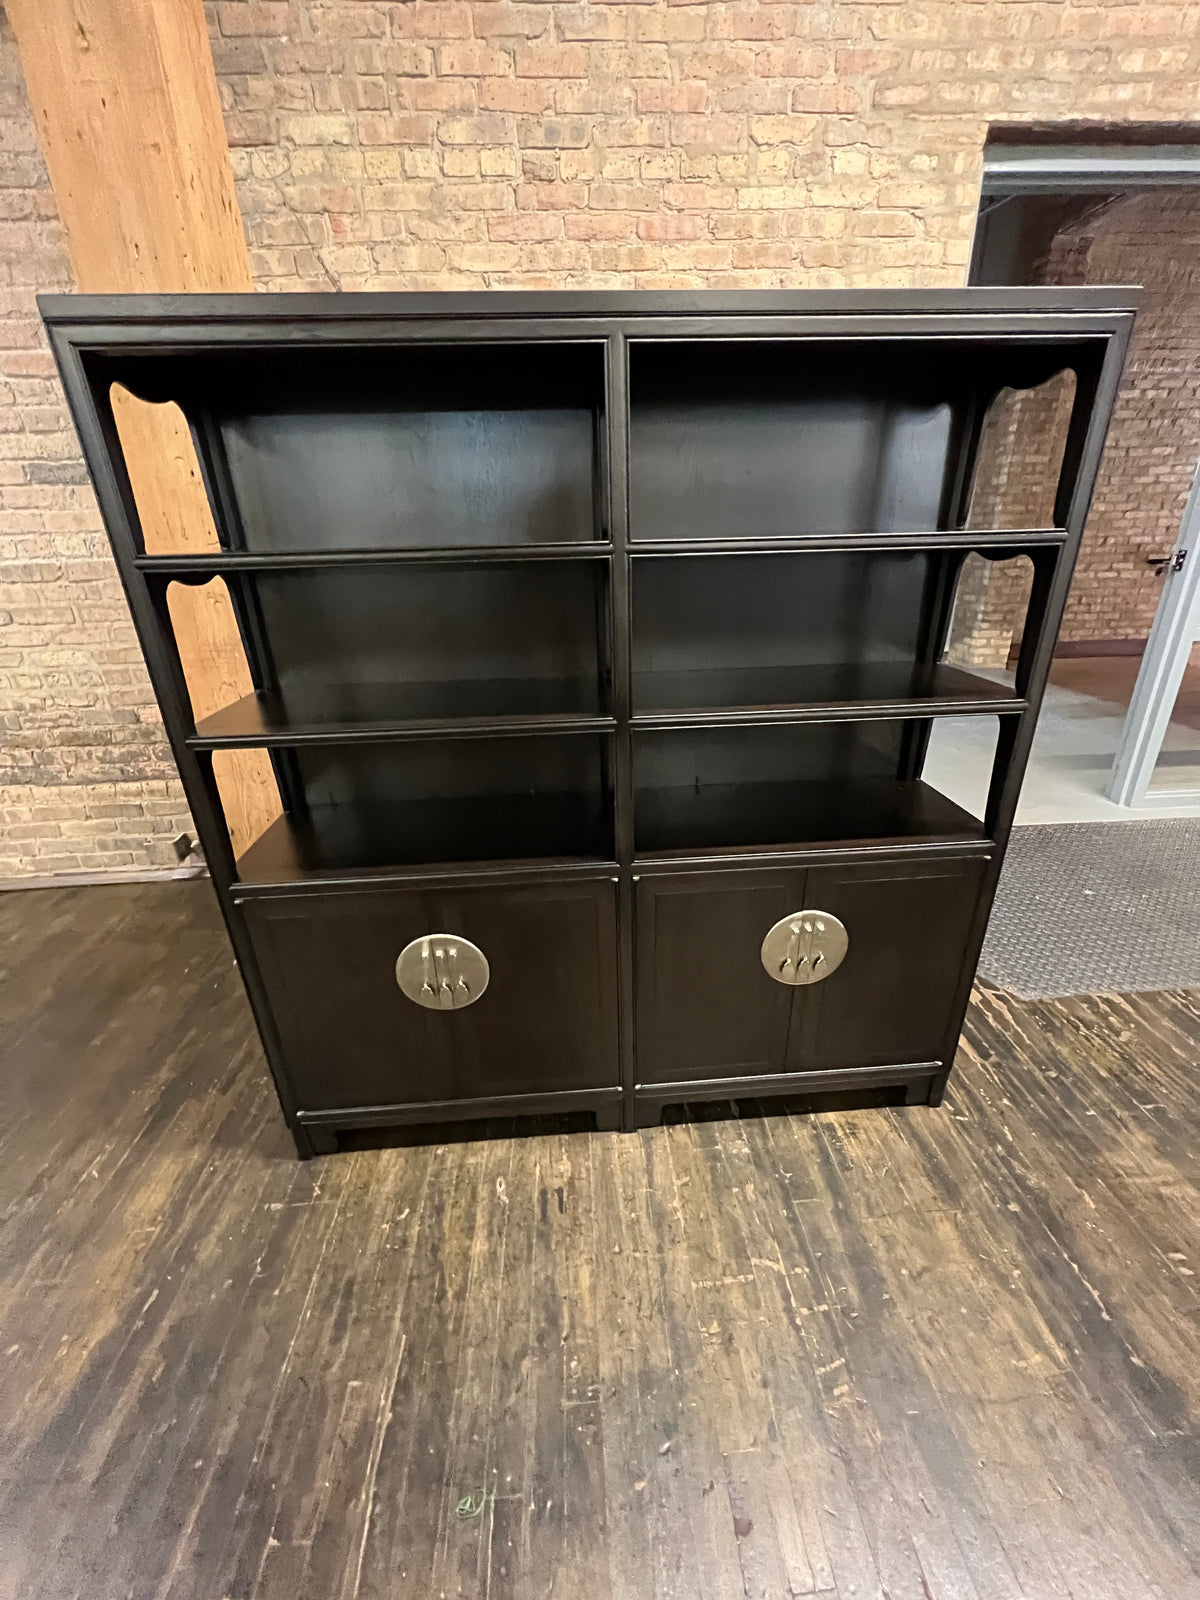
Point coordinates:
[[129, 117]]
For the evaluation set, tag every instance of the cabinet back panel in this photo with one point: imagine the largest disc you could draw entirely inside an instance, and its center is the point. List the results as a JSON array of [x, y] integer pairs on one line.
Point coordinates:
[[776, 437], [715, 471], [823, 751], [445, 769], [737, 612], [396, 446], [367, 480], [330, 631], [784, 437]]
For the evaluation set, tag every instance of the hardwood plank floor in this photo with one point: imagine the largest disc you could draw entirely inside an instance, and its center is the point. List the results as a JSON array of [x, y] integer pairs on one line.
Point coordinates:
[[927, 1355]]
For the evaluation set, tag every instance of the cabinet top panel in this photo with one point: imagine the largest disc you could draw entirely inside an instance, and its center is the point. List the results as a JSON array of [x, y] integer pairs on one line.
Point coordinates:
[[175, 314]]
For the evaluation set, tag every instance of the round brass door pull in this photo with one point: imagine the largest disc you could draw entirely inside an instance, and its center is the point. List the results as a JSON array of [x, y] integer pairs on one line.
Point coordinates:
[[442, 971], [805, 947]]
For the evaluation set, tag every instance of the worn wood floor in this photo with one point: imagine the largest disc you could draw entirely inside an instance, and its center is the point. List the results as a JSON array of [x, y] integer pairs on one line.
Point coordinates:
[[929, 1355]]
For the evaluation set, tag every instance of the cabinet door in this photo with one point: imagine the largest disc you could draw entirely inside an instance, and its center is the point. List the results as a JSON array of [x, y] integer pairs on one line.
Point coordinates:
[[889, 1001], [705, 1005], [552, 1021], [546, 1022]]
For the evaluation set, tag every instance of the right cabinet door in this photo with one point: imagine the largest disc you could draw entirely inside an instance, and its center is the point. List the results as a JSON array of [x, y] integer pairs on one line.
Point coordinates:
[[889, 1001]]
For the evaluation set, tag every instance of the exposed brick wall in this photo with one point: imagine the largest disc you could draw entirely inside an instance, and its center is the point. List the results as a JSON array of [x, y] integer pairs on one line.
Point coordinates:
[[1154, 440], [440, 143]]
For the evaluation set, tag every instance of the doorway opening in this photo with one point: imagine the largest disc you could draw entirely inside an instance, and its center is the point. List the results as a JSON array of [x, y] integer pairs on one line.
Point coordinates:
[[1120, 726]]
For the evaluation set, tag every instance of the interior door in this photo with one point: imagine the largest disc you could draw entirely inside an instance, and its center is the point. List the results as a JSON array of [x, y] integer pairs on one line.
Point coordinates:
[[1176, 629]]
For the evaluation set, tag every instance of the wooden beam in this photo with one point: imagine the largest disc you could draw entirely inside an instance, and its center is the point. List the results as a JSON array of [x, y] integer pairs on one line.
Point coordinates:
[[126, 105]]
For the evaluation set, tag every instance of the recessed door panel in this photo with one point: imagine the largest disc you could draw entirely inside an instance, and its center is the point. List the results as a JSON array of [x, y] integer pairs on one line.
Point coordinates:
[[548, 1020], [888, 1002], [706, 1007], [743, 974], [545, 1020]]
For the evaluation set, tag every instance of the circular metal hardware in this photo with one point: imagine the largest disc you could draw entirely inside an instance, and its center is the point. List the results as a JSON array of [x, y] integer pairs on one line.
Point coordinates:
[[805, 947], [443, 971]]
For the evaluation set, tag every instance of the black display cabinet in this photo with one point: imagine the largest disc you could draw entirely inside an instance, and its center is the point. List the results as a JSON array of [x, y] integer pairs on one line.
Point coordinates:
[[597, 642]]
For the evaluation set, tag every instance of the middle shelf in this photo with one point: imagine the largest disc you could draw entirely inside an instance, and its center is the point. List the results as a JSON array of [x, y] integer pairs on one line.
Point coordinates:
[[341, 713], [467, 715], [356, 654], [820, 691], [496, 707]]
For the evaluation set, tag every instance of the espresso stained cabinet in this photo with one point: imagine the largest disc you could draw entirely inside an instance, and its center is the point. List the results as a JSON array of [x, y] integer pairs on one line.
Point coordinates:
[[709, 1006], [597, 643], [352, 1037]]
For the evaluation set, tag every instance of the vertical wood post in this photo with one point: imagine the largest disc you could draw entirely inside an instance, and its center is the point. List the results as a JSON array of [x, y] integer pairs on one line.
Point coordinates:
[[126, 105]]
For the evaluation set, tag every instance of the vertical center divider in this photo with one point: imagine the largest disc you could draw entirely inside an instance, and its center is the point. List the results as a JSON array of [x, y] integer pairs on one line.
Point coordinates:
[[616, 405]]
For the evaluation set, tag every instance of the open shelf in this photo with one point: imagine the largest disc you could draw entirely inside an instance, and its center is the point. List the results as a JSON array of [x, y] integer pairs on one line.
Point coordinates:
[[788, 694], [206, 565], [754, 787], [370, 711], [790, 637], [429, 444], [347, 653], [367, 806], [988, 541], [767, 436], [341, 841], [679, 819]]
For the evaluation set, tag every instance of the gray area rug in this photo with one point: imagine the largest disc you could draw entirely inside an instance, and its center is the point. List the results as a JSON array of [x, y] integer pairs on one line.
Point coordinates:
[[1097, 908]]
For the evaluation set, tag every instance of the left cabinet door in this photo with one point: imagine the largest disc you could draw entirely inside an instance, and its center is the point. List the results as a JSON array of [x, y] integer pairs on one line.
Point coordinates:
[[706, 1007], [350, 1037]]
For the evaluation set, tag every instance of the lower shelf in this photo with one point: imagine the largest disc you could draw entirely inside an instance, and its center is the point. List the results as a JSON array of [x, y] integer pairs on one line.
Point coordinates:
[[737, 816], [329, 840], [358, 711]]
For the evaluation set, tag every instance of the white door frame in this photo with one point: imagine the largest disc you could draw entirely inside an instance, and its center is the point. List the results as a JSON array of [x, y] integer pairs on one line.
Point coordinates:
[[1176, 628]]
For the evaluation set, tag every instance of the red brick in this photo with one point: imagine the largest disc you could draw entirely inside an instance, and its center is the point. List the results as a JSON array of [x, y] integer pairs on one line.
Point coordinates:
[[526, 226], [442, 94], [793, 60], [257, 17], [488, 128], [429, 19], [653, 96], [551, 61], [515, 94], [672, 227], [473, 59], [380, 129]]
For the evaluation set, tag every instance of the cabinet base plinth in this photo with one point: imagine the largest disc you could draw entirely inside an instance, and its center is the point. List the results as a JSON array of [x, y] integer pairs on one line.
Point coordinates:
[[915, 1079], [580, 1110], [314, 1141]]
